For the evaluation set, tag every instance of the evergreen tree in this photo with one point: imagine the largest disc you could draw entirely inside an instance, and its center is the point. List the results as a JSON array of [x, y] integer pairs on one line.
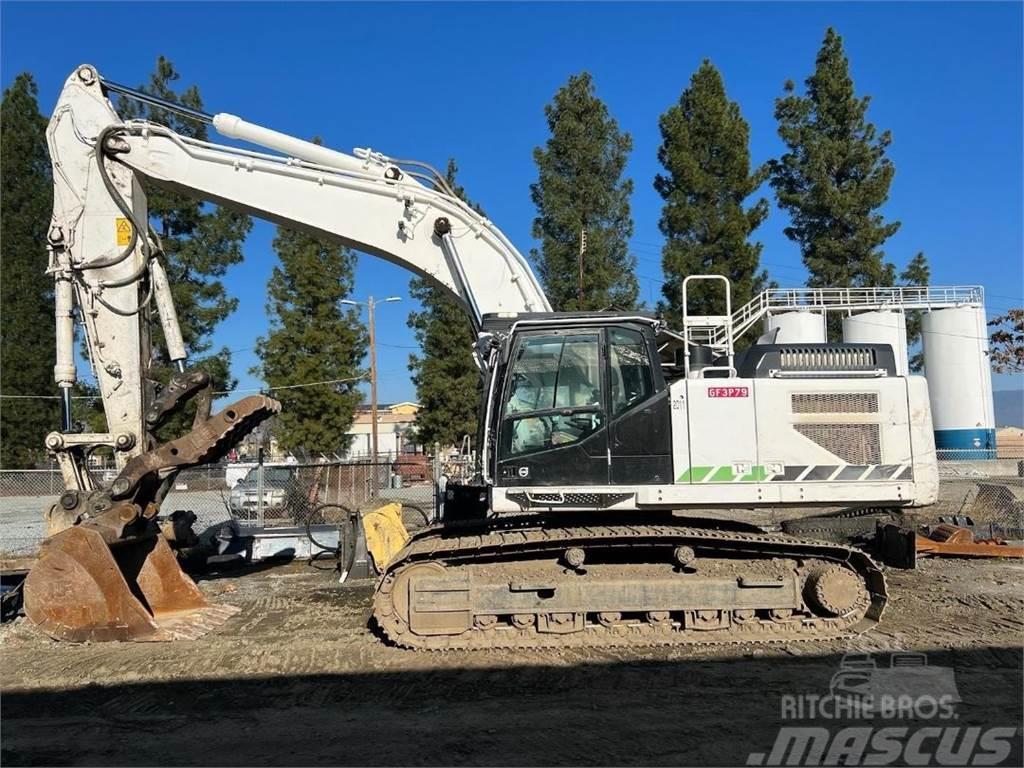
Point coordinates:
[[26, 291], [580, 193], [446, 377], [312, 339], [200, 242], [834, 176], [706, 155]]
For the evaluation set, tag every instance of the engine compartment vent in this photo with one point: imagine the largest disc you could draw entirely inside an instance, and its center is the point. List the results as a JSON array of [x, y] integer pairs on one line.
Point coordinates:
[[853, 443], [818, 360], [827, 359], [835, 402]]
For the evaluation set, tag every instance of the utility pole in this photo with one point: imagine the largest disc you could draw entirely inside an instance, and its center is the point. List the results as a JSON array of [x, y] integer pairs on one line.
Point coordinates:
[[583, 250], [371, 306]]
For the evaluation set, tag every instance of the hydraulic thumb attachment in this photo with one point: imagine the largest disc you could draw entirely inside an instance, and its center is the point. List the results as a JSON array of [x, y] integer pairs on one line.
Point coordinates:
[[106, 572]]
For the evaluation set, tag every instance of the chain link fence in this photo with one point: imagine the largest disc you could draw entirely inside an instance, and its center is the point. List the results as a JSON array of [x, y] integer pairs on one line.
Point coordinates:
[[255, 495], [967, 454], [993, 500], [283, 495]]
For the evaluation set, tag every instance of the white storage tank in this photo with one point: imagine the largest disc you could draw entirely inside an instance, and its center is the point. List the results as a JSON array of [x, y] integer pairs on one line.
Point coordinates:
[[798, 327], [884, 326], [956, 363]]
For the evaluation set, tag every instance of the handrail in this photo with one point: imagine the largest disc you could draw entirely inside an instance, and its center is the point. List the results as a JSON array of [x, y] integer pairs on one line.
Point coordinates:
[[904, 297]]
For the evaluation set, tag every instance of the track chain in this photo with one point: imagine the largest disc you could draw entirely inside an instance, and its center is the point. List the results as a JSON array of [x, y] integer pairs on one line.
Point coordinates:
[[520, 538]]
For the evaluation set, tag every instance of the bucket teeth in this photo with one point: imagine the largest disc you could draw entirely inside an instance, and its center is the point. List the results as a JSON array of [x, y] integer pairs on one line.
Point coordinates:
[[194, 625]]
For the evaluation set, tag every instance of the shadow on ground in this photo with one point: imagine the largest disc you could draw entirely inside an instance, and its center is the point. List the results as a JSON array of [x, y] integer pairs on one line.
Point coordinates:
[[604, 712]]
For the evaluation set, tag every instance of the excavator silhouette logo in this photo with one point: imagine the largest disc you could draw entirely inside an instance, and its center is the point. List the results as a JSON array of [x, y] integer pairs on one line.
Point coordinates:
[[905, 682], [884, 710]]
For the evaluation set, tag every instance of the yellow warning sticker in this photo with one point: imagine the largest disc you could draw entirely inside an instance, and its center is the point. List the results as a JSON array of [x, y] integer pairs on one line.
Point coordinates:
[[124, 231]]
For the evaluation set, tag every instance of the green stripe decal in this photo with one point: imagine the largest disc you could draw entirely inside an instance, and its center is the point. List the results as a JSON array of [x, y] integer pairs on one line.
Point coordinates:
[[757, 474], [694, 474], [818, 473], [723, 475]]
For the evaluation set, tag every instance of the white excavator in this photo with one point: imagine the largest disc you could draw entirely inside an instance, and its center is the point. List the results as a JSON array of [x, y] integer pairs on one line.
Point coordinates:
[[599, 431]]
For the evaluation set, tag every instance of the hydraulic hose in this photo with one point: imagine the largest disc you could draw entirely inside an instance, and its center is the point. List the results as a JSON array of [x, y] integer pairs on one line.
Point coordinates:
[[347, 542], [438, 179], [119, 201], [125, 312], [122, 205]]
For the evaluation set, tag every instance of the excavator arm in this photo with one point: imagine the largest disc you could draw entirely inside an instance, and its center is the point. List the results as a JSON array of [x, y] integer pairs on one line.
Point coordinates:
[[110, 276]]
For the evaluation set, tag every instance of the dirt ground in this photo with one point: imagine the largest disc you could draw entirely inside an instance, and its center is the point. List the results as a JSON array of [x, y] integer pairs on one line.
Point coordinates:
[[297, 678]]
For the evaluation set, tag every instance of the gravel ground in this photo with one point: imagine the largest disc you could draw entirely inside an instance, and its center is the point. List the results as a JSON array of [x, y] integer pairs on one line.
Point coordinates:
[[297, 678]]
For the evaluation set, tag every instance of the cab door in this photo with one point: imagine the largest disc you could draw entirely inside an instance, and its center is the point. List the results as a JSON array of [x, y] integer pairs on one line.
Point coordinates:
[[640, 428], [553, 429]]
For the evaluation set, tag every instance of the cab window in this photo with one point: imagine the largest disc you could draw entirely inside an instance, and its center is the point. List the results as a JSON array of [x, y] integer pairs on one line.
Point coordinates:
[[553, 373], [632, 380]]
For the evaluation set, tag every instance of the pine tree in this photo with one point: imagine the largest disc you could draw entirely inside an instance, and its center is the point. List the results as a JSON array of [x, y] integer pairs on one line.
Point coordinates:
[[200, 242], [26, 291], [446, 377], [312, 339], [580, 193], [834, 176], [706, 155]]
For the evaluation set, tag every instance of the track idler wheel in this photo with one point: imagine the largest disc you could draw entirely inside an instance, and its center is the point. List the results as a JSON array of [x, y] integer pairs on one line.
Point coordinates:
[[413, 591], [833, 591]]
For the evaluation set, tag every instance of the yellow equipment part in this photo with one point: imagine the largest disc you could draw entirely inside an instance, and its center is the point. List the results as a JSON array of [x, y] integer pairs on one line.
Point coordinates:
[[84, 589], [385, 534]]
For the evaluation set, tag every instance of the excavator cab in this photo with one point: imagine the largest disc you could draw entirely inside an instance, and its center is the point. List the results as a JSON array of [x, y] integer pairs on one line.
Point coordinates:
[[584, 404]]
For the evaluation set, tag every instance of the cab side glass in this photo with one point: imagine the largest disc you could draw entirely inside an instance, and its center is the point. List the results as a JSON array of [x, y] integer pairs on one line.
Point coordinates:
[[632, 380], [555, 393]]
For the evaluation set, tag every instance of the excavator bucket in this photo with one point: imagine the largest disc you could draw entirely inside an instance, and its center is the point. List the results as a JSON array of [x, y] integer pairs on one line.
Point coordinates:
[[83, 589]]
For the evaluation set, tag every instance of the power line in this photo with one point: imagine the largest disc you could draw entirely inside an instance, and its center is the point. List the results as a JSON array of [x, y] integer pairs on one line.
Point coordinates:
[[48, 397], [292, 386], [216, 392]]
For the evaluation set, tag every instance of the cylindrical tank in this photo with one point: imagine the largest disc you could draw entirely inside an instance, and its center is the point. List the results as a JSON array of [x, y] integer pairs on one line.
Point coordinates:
[[800, 327], [959, 380], [884, 326]]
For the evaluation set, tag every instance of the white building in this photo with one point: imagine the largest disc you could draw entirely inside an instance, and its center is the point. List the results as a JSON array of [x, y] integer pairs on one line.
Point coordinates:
[[394, 425]]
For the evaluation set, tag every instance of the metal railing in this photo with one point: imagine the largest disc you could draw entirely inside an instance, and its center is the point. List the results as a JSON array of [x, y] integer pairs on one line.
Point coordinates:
[[905, 297]]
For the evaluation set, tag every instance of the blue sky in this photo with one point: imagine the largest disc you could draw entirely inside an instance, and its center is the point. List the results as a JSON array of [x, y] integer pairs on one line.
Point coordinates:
[[430, 81]]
